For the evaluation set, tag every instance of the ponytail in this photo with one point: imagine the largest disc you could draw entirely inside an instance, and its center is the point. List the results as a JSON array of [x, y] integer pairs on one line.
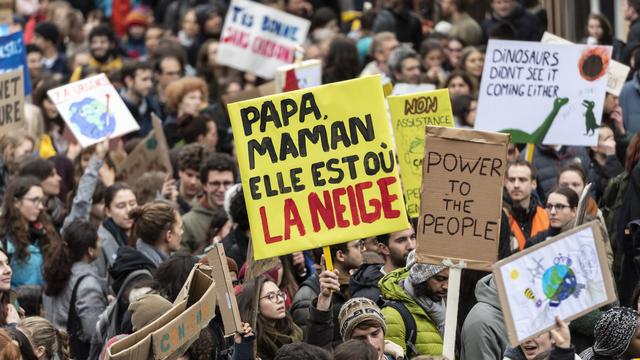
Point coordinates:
[[151, 220], [63, 344]]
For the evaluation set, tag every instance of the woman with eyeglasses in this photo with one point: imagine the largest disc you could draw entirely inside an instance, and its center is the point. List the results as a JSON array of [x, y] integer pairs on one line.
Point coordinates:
[[274, 326], [115, 230], [25, 230], [562, 204]]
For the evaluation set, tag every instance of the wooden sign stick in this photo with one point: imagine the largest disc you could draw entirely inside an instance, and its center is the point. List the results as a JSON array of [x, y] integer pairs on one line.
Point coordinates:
[[453, 297]]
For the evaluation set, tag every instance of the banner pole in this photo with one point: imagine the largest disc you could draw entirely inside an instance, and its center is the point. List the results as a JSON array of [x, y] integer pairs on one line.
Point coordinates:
[[451, 320], [530, 148], [326, 251]]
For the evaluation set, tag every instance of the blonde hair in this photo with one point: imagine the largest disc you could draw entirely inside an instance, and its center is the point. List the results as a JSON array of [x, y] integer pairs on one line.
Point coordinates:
[[176, 91], [42, 333]]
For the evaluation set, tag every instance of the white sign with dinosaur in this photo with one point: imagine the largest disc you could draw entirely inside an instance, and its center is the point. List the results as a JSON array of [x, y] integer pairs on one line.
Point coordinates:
[[543, 93]]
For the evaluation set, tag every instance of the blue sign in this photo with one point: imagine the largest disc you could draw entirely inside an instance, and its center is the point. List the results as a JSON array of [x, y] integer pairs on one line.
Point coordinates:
[[13, 56]]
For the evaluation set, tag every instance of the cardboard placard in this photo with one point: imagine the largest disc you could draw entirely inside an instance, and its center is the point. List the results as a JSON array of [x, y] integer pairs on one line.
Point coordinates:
[[318, 167], [543, 93], [404, 88], [93, 110], [11, 101], [410, 115], [617, 71], [299, 76], [14, 57], [566, 276], [169, 336], [461, 199], [224, 290], [255, 267], [259, 38], [265, 89], [152, 153]]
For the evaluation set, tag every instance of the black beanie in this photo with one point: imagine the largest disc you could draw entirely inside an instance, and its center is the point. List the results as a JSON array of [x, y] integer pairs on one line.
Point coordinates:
[[49, 31]]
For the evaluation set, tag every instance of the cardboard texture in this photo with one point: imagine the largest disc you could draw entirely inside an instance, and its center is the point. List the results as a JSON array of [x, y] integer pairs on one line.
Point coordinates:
[[561, 300], [11, 101], [152, 153], [299, 76], [224, 290], [461, 196], [171, 334], [617, 71], [583, 203], [255, 267]]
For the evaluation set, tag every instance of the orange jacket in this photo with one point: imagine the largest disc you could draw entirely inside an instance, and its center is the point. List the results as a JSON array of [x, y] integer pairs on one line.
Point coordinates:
[[539, 223]]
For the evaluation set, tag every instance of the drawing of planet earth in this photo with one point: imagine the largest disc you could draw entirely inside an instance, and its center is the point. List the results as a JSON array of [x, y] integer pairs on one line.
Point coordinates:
[[89, 117], [558, 283]]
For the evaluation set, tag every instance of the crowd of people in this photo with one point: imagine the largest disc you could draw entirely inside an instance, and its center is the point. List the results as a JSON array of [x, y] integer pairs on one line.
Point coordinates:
[[88, 257]]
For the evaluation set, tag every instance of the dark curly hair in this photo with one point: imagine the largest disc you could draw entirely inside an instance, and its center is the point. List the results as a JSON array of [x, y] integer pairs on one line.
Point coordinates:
[[191, 157], [13, 224], [217, 162]]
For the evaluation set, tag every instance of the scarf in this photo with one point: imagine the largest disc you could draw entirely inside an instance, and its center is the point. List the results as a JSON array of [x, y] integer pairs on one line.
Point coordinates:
[[276, 337], [435, 310], [116, 231]]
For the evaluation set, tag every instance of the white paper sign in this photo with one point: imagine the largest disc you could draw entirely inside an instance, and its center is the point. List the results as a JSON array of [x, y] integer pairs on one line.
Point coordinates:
[[93, 110], [617, 71], [543, 93], [406, 89], [259, 38], [566, 278], [299, 76]]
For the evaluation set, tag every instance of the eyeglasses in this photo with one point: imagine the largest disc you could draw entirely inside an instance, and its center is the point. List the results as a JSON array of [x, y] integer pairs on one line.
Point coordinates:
[[273, 296], [217, 184], [35, 200], [558, 207]]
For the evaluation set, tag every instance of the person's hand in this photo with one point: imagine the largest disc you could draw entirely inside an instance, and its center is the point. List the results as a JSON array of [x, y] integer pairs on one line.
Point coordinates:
[[393, 349], [561, 335], [433, 73], [608, 147], [12, 314], [169, 189], [101, 149], [297, 260], [328, 284], [247, 331], [616, 116], [107, 175]]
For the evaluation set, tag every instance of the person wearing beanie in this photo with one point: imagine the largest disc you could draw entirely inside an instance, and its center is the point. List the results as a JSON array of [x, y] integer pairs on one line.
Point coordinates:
[[136, 24], [617, 336], [146, 309], [47, 36], [420, 288], [358, 318]]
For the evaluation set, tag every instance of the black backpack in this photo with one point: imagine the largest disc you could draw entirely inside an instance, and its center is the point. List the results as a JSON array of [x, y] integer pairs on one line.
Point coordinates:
[[410, 327]]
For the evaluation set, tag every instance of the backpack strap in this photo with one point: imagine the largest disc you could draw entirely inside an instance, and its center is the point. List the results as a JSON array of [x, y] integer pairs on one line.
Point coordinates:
[[79, 349], [410, 327]]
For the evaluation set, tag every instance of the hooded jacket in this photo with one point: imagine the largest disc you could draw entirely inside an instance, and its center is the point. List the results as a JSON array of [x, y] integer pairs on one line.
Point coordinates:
[[91, 300], [525, 26], [428, 338], [484, 336], [364, 282], [630, 104]]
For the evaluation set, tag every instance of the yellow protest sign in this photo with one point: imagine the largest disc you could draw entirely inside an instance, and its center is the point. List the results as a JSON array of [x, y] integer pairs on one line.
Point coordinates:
[[318, 167], [410, 115]]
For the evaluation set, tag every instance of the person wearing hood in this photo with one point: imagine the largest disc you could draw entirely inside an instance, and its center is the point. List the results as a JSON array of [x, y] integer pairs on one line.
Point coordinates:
[[617, 336], [484, 336], [74, 294], [421, 288], [526, 217], [510, 14], [556, 343]]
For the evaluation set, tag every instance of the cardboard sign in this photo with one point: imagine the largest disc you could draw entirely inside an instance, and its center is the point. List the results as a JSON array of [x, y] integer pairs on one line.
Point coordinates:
[[318, 167], [543, 93], [565, 276], [13, 56], [169, 336], [225, 292], [461, 202], [93, 110], [617, 71], [299, 76], [6, 11], [11, 101], [259, 38], [152, 153], [410, 115], [404, 89]]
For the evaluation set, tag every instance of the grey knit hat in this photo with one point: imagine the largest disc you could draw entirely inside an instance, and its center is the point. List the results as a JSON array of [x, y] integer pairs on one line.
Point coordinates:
[[614, 332], [419, 273]]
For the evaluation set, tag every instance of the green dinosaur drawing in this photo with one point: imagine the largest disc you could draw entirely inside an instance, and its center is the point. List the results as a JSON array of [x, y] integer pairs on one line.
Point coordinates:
[[590, 118], [536, 137]]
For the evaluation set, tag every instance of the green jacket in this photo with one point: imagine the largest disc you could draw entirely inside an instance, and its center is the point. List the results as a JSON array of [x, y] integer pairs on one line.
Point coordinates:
[[428, 338], [195, 224]]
